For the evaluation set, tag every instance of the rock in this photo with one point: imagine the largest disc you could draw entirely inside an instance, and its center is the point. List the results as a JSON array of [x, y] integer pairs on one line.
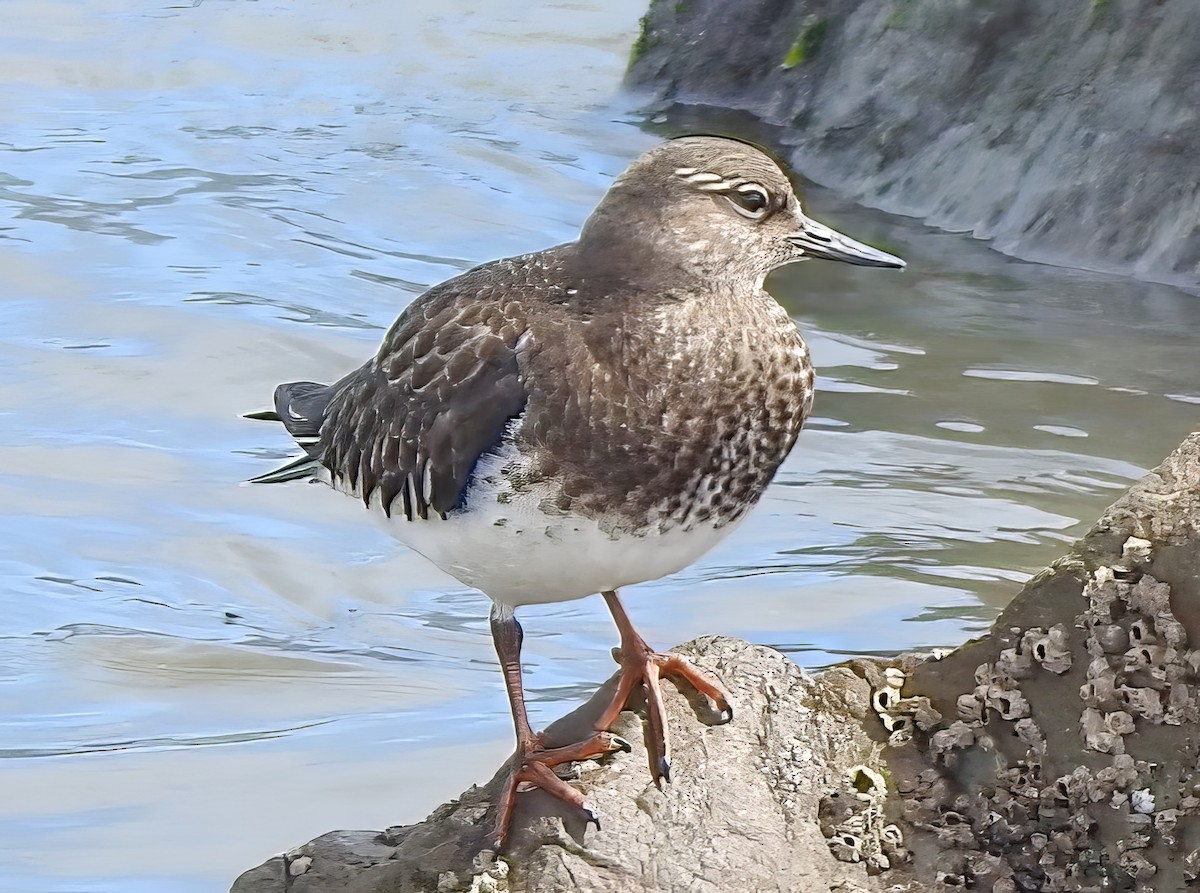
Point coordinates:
[[741, 811], [1039, 757], [1109, 743], [1065, 132]]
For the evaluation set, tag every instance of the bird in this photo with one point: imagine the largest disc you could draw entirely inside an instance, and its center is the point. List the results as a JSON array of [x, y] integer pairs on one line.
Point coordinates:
[[573, 421]]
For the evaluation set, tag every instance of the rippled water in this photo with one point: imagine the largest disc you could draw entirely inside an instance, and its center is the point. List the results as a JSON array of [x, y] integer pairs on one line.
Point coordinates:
[[197, 202]]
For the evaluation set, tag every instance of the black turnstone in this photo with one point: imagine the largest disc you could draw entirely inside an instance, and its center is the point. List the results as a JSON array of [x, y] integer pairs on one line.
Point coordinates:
[[587, 417]]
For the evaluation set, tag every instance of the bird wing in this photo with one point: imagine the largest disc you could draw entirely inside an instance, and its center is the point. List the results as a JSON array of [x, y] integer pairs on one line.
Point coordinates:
[[413, 422]]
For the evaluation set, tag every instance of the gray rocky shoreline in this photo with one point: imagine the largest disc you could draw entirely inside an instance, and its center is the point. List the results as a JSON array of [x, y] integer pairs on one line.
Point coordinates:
[[1059, 752], [1064, 132]]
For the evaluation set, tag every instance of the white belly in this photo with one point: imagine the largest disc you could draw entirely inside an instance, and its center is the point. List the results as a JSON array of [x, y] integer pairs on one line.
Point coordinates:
[[505, 545]]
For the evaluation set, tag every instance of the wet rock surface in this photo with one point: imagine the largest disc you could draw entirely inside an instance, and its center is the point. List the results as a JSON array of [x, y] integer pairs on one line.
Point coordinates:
[[1061, 752], [1064, 131]]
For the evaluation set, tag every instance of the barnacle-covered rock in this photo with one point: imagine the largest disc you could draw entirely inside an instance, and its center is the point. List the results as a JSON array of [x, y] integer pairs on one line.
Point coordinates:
[[1111, 638], [1136, 550], [1145, 703], [856, 826], [1149, 597], [1100, 692], [958, 736], [1191, 866], [900, 715], [1136, 865], [1073, 725], [1052, 650], [1142, 801], [1017, 662], [1009, 703], [846, 847], [969, 708]]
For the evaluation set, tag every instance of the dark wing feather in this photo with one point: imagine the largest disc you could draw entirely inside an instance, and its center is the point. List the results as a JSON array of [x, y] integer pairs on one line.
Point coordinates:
[[301, 407], [413, 422]]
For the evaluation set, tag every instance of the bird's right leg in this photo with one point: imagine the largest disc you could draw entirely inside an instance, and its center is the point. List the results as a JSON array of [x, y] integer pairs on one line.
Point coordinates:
[[533, 762]]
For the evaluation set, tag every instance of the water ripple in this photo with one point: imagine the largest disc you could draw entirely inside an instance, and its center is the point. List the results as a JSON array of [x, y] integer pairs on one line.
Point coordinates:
[[163, 743]]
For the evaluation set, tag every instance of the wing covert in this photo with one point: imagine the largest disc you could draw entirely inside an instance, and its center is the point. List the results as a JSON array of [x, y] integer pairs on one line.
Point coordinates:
[[413, 422]]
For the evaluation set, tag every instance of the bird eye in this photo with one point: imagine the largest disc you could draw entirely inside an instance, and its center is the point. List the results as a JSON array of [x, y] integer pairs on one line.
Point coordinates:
[[749, 201]]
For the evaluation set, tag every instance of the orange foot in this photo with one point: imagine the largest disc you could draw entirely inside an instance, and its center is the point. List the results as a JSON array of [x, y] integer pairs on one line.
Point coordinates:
[[640, 666], [533, 764]]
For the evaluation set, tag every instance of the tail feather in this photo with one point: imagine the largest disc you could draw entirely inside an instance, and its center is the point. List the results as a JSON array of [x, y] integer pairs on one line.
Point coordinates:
[[263, 415], [302, 467], [301, 407]]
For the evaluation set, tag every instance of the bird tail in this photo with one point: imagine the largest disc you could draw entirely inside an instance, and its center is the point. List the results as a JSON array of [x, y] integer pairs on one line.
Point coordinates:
[[302, 467], [301, 407]]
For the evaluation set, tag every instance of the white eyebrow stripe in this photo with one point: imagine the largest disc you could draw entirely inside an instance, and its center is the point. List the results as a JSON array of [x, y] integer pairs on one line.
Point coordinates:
[[685, 171], [704, 177]]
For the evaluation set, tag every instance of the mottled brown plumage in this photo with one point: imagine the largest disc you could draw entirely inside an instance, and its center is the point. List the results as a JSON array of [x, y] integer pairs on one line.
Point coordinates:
[[590, 416], [618, 431]]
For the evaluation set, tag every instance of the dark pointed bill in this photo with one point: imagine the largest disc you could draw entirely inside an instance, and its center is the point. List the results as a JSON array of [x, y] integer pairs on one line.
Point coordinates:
[[818, 240]]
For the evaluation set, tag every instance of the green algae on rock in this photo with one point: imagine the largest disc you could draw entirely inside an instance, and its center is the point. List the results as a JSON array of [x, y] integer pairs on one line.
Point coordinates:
[[807, 42]]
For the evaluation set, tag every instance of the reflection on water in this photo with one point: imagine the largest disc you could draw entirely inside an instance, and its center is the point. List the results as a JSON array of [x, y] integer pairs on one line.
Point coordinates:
[[201, 201]]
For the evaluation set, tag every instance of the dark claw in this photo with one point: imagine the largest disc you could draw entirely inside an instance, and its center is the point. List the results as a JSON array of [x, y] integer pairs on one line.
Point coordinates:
[[620, 743], [727, 715], [664, 769], [593, 817]]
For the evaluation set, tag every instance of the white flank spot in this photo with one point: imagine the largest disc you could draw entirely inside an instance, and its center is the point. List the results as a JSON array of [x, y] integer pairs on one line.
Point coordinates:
[[427, 482]]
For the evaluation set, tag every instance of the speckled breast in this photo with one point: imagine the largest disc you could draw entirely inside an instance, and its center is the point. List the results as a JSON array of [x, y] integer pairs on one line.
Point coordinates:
[[675, 419]]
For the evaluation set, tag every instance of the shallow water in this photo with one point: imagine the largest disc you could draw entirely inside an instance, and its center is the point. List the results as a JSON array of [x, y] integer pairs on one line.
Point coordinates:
[[201, 201]]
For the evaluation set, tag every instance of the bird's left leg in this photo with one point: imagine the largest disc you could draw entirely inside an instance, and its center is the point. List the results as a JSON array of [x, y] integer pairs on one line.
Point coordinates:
[[533, 762], [642, 667]]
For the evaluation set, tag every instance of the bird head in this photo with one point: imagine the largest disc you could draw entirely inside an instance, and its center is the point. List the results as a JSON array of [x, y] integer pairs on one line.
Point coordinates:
[[716, 206]]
